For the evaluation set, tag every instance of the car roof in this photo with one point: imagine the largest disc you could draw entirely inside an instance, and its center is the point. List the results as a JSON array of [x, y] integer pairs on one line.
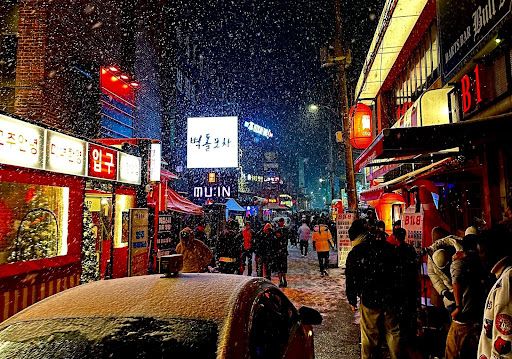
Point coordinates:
[[190, 295]]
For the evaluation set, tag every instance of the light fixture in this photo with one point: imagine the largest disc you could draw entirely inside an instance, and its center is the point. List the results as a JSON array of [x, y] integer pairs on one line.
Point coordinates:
[[498, 41], [114, 78], [103, 71], [134, 84], [113, 69], [124, 77], [313, 108]]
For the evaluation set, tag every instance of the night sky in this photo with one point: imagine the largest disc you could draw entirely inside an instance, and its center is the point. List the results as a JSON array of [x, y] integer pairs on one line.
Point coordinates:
[[268, 53]]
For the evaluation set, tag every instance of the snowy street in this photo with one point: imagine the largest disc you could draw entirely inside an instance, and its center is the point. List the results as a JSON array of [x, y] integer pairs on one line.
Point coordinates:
[[338, 336]]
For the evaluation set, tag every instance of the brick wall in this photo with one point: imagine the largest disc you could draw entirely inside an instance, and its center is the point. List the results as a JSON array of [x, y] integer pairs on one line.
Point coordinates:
[[30, 69]]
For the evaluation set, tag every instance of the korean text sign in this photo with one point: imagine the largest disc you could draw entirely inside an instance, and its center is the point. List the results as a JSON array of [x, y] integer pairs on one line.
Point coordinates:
[[343, 223], [102, 162], [21, 144], [138, 241], [212, 142]]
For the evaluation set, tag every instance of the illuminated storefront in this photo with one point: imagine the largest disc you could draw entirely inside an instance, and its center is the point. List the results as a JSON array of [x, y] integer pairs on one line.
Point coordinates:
[[45, 178]]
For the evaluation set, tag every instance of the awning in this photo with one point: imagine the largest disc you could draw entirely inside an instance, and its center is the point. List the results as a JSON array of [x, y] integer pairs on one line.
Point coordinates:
[[375, 192], [177, 203], [232, 205], [409, 141], [168, 175]]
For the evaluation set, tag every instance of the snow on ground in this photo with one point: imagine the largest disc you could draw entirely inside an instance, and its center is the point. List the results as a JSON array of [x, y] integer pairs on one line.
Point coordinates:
[[338, 336]]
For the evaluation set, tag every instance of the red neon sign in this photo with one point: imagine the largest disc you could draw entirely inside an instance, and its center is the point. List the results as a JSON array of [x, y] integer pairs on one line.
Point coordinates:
[[471, 92], [117, 84], [102, 162]]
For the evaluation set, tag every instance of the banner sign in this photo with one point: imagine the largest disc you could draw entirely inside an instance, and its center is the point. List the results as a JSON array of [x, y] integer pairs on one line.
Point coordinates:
[[138, 242], [21, 144], [464, 27], [413, 224], [343, 223], [26, 145]]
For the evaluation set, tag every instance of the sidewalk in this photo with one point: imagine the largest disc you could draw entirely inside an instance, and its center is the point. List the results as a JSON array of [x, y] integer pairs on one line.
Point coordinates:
[[338, 336]]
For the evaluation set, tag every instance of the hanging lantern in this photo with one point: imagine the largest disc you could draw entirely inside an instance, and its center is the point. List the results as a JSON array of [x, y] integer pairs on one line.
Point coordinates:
[[361, 131]]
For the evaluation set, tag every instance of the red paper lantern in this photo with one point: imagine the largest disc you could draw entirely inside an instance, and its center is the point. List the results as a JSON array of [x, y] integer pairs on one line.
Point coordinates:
[[361, 131]]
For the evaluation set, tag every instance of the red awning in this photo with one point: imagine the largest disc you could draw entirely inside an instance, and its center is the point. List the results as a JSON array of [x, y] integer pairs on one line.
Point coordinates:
[[429, 170], [168, 175], [177, 203]]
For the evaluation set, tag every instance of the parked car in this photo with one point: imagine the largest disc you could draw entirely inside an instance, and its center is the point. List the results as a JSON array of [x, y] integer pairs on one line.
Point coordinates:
[[201, 315]]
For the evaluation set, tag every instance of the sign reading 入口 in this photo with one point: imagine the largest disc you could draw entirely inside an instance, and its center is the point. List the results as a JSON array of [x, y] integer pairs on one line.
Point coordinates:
[[212, 142], [102, 162]]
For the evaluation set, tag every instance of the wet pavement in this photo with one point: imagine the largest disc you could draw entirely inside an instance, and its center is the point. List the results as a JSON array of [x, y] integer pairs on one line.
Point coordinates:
[[338, 336]]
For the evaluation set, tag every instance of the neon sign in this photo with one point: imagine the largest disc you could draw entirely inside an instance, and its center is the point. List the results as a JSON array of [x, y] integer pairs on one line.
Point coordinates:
[[260, 130]]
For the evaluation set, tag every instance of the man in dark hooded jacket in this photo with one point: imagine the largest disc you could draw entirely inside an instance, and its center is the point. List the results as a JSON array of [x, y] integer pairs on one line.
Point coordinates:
[[229, 248]]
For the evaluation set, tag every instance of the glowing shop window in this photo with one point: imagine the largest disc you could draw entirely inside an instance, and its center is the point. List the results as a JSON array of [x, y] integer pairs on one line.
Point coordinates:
[[123, 203]]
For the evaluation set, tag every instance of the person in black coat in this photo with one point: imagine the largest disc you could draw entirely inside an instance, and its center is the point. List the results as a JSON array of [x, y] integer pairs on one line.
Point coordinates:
[[262, 248], [228, 248], [280, 252]]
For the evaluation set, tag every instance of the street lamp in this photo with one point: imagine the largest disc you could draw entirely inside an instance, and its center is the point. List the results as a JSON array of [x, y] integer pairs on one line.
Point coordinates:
[[349, 163]]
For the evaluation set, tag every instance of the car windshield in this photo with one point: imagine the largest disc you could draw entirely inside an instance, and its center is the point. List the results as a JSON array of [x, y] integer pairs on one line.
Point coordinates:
[[110, 338]]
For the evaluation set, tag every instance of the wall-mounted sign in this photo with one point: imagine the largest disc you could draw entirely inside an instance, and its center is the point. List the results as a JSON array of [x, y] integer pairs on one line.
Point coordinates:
[[25, 145], [260, 130], [343, 223], [155, 162], [225, 187], [212, 142], [65, 154], [463, 30], [129, 168], [102, 162], [21, 144]]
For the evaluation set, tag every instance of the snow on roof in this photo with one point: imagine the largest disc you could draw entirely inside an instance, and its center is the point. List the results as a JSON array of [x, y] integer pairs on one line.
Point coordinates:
[[191, 295]]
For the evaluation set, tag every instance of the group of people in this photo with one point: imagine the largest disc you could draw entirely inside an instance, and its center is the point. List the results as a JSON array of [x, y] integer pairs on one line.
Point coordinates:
[[383, 283], [235, 250]]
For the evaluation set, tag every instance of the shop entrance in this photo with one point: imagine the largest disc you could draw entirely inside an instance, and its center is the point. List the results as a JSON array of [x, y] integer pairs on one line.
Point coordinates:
[[101, 210]]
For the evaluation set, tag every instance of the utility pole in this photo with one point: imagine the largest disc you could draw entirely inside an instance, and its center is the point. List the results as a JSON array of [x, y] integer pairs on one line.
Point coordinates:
[[342, 59]]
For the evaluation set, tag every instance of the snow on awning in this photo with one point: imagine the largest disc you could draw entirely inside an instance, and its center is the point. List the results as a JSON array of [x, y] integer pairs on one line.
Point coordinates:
[[177, 203]]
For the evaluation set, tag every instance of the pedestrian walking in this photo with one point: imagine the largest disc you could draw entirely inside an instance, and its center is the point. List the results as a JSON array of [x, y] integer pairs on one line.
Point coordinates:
[[248, 235], [304, 234], [196, 255], [280, 252], [407, 291], [322, 242], [370, 276], [262, 247], [229, 248], [467, 276]]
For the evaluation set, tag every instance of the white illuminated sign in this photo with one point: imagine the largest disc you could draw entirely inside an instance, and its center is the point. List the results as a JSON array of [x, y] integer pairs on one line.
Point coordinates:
[[21, 144], [212, 142], [129, 168], [260, 130], [65, 154], [155, 163]]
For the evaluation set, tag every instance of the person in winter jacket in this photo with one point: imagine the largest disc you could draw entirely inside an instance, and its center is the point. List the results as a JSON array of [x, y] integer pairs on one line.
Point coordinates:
[[496, 335], [229, 248], [322, 242], [248, 235], [280, 252], [304, 234], [262, 247], [196, 255], [370, 276]]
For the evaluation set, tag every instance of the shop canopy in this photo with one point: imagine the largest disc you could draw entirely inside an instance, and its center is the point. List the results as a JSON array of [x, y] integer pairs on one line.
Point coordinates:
[[177, 203], [376, 192], [400, 144], [233, 206]]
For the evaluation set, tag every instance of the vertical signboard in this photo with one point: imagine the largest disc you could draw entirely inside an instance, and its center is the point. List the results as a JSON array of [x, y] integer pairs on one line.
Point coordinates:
[[138, 242], [21, 144], [343, 223], [155, 162], [129, 168], [413, 224]]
